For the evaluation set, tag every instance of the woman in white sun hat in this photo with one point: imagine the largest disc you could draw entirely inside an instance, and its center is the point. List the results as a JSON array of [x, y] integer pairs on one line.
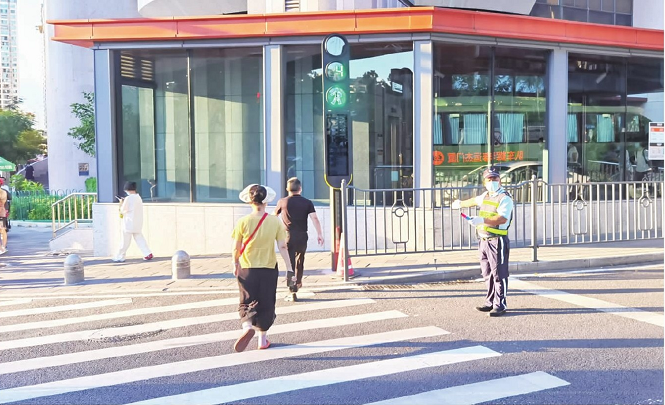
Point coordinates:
[[255, 265]]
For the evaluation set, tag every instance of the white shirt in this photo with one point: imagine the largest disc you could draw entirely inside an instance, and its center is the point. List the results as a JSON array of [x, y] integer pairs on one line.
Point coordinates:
[[132, 213]]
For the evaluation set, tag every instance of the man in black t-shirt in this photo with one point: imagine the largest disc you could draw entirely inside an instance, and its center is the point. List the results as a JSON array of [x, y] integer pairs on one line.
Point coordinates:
[[295, 209]]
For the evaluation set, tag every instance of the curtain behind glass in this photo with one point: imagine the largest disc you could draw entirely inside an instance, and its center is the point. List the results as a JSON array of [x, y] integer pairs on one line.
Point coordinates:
[[475, 129]]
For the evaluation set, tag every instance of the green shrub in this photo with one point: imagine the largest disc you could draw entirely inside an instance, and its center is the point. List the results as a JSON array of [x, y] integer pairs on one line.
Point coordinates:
[[40, 212], [91, 185], [19, 183]]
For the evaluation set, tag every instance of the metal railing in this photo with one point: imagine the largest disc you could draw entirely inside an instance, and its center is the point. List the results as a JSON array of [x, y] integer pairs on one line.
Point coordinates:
[[390, 221], [71, 211]]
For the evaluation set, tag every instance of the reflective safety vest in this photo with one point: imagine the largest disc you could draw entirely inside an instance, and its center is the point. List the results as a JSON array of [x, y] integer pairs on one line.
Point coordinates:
[[489, 209]]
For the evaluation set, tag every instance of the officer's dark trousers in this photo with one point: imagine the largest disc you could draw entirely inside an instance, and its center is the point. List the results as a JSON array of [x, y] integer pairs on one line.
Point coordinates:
[[297, 246], [494, 254], [258, 285]]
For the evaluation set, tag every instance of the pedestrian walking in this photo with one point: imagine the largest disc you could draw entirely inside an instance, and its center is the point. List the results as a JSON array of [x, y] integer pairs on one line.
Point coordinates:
[[3, 221], [295, 210], [255, 265], [642, 163], [492, 223], [7, 204], [131, 213]]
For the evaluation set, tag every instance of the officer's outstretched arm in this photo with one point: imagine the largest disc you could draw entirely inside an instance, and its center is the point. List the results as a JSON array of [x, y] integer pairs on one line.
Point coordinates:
[[471, 202], [495, 220]]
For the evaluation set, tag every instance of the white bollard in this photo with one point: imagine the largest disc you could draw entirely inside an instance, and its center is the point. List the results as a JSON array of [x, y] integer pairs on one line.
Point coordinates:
[[180, 265], [73, 270]]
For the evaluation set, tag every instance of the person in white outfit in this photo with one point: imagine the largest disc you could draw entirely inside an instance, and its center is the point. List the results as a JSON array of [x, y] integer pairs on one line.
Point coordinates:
[[131, 212]]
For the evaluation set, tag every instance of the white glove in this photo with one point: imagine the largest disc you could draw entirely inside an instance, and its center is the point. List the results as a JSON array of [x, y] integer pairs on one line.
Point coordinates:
[[475, 221], [457, 204]]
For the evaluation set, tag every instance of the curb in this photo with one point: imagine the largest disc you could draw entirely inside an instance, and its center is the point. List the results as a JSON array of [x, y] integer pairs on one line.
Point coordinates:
[[28, 224], [516, 268]]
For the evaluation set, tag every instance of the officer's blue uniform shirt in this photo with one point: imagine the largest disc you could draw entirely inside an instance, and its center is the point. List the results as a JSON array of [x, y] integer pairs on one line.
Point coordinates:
[[505, 208]]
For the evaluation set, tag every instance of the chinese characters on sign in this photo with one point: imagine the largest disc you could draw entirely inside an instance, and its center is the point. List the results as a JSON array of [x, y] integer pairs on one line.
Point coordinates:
[[460, 157]]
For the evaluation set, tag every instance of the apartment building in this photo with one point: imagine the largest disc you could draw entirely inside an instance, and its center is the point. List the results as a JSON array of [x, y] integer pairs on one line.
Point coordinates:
[[8, 54]]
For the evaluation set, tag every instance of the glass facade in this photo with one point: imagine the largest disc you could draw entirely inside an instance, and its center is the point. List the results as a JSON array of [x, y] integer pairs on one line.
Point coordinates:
[[611, 100], [195, 137], [611, 12], [381, 103], [190, 124], [473, 83]]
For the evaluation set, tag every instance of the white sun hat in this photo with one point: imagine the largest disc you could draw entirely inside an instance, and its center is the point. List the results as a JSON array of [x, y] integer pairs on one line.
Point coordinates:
[[246, 198]]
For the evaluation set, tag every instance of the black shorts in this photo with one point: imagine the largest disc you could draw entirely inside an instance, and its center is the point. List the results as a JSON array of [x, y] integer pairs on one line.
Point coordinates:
[[3, 222]]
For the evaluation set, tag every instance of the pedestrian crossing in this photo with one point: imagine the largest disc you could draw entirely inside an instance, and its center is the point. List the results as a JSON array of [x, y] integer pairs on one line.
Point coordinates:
[[355, 342]]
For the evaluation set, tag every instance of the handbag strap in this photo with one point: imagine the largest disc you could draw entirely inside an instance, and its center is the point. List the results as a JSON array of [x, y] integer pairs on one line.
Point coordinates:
[[244, 245]]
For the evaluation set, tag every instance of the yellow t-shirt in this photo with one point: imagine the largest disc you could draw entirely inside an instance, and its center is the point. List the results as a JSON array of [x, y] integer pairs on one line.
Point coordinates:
[[260, 252]]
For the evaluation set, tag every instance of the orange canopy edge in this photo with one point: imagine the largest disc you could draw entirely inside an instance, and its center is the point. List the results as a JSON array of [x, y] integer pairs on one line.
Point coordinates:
[[376, 21]]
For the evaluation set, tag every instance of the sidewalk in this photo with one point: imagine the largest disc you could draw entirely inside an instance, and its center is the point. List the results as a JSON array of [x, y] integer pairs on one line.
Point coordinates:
[[29, 269]]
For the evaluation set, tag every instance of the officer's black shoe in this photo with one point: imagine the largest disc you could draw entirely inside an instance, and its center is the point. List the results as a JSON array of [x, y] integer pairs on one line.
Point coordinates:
[[484, 309], [497, 312]]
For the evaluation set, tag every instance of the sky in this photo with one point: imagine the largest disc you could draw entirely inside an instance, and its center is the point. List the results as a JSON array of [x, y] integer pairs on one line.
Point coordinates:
[[31, 59]]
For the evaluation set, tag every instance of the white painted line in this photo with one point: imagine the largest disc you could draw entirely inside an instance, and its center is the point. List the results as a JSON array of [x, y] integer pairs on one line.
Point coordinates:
[[115, 315], [653, 318], [320, 378], [587, 271], [64, 308], [119, 351], [484, 391], [169, 324], [210, 363], [15, 302]]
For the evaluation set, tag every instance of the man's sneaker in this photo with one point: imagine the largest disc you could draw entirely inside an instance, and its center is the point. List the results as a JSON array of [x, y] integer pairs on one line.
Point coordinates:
[[149, 257], [266, 346], [118, 260], [3, 251], [497, 312], [484, 309], [243, 340]]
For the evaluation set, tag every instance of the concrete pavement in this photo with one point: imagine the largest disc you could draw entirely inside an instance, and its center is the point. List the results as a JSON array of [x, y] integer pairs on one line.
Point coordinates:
[[29, 268]]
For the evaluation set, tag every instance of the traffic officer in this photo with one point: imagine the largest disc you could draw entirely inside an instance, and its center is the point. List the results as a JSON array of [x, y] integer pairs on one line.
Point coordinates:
[[495, 216]]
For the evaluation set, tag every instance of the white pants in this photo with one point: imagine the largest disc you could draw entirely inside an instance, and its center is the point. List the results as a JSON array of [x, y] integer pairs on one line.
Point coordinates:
[[127, 240]]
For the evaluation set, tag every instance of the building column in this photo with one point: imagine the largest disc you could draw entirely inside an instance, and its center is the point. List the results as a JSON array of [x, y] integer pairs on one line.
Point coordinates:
[[423, 146], [556, 147], [273, 102], [106, 151]]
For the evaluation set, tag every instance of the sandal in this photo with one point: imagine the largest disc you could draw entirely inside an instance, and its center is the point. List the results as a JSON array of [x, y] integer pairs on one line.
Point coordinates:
[[243, 340]]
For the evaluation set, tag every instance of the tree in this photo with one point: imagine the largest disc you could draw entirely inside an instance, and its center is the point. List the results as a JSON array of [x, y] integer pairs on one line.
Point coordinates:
[[85, 132], [19, 141]]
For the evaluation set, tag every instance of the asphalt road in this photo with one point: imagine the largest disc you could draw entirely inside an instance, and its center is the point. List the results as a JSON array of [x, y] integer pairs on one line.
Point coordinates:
[[593, 337]]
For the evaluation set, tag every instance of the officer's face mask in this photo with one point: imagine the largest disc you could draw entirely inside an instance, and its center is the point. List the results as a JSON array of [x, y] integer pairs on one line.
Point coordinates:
[[492, 186]]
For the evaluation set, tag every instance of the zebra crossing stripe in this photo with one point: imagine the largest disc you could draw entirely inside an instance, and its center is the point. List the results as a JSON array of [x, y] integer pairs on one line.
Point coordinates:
[[63, 308], [115, 315], [320, 378], [15, 302], [111, 352], [484, 391], [210, 363], [169, 324], [591, 303]]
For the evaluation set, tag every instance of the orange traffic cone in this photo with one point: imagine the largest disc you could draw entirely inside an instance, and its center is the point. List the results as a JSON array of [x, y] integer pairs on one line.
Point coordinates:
[[340, 261]]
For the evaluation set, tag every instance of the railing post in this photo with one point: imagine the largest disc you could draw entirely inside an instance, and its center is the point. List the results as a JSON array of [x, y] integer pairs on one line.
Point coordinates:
[[534, 220], [345, 236], [53, 219], [76, 216]]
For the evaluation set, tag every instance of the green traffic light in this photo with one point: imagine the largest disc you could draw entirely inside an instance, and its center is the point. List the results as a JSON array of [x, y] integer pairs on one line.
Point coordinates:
[[336, 97]]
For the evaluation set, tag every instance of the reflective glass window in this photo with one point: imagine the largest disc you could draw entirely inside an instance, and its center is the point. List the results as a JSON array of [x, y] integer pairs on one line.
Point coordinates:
[[381, 108], [227, 91]]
